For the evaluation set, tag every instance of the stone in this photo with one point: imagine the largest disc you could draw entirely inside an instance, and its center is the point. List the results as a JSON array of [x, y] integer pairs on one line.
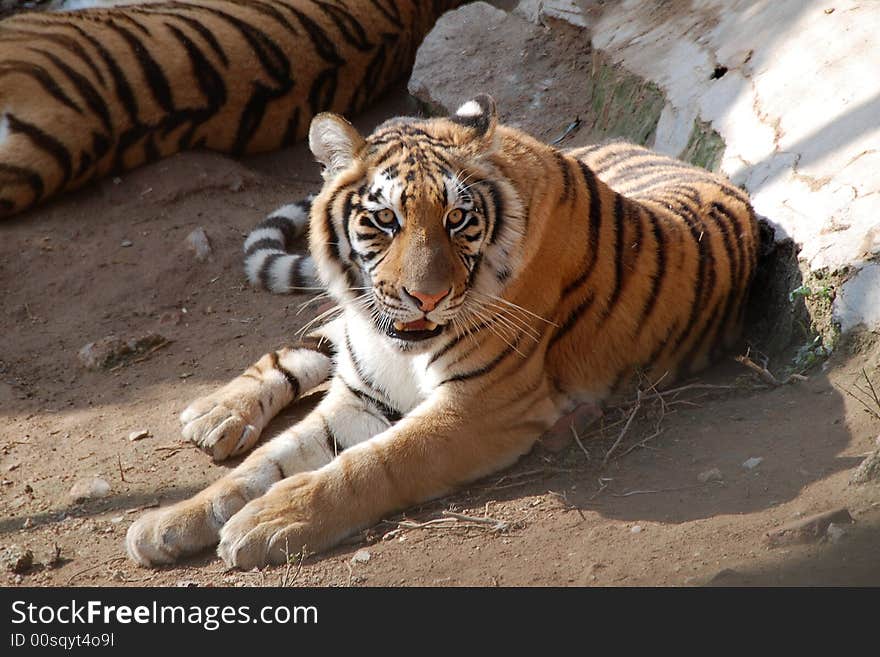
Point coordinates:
[[139, 435], [868, 470], [710, 475], [361, 556], [17, 560], [752, 463], [198, 242], [92, 488], [469, 52], [112, 350], [809, 529], [835, 532]]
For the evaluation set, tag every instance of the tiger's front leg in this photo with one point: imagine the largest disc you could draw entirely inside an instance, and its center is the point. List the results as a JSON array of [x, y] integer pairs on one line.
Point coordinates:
[[439, 446], [229, 421], [341, 420]]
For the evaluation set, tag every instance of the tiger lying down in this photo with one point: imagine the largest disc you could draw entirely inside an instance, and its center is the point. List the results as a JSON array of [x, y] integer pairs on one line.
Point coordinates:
[[488, 284]]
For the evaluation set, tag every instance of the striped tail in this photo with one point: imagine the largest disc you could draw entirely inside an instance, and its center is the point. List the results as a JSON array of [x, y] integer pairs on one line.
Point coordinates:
[[268, 262]]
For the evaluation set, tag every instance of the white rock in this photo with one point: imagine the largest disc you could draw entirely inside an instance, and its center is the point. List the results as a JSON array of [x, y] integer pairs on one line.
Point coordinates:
[[139, 435], [92, 488], [361, 556], [198, 242], [752, 463], [636, 529]]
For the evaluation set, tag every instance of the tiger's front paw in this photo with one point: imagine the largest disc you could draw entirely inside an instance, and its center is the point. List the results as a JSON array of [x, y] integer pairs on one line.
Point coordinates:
[[222, 429], [275, 527], [165, 535], [187, 527]]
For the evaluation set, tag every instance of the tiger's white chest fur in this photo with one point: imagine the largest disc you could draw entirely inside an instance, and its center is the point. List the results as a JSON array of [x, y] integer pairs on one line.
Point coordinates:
[[366, 360]]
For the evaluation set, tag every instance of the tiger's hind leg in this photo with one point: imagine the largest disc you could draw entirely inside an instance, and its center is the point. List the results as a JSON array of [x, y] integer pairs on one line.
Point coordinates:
[[268, 262], [342, 419], [229, 421]]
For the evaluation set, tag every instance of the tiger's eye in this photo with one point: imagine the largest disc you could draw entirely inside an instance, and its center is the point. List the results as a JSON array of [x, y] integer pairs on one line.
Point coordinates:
[[385, 218], [454, 218]]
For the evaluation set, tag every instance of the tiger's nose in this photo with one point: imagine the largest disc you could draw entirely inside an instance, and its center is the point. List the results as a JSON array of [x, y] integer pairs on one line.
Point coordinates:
[[427, 302]]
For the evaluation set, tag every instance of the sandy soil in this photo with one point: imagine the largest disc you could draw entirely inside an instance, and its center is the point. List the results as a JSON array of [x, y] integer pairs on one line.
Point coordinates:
[[112, 260]]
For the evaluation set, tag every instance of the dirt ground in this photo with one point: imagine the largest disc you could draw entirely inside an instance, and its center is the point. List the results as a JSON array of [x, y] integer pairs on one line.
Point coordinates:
[[112, 260]]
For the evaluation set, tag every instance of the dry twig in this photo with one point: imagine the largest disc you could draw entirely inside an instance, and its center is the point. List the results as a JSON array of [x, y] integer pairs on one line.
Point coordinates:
[[632, 416], [85, 570], [870, 394], [764, 374]]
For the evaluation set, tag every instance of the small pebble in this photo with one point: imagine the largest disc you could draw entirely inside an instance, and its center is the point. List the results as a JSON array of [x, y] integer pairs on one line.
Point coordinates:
[[636, 529], [710, 475], [198, 242], [28, 523], [361, 556], [126, 243], [13, 466], [139, 435], [89, 489], [835, 532], [752, 463]]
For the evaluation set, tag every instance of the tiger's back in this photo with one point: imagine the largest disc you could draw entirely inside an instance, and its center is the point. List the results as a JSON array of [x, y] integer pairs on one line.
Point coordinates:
[[84, 94], [683, 246]]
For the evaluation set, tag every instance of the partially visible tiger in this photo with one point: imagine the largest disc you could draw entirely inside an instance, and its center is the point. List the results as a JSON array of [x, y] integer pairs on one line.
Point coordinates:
[[487, 284], [98, 91]]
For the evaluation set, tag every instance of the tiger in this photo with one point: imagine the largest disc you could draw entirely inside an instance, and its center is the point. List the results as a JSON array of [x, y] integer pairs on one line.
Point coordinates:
[[486, 284], [96, 92]]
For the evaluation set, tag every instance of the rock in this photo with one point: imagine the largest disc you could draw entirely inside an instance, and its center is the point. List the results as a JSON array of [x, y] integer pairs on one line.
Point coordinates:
[[636, 529], [725, 577], [835, 532], [126, 243], [710, 475], [186, 584], [93, 488], [13, 466], [808, 529], [198, 242], [17, 560], [112, 350], [139, 435], [868, 470], [361, 556], [28, 523], [752, 463], [469, 52]]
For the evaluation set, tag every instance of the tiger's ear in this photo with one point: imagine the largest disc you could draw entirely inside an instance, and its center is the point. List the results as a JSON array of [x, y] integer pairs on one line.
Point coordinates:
[[479, 114], [334, 142]]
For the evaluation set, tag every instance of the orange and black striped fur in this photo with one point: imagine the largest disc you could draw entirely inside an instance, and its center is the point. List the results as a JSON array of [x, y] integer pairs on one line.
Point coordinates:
[[88, 93], [486, 284]]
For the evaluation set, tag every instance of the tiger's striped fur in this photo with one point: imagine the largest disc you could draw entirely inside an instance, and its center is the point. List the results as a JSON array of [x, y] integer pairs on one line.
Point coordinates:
[[84, 94], [487, 284]]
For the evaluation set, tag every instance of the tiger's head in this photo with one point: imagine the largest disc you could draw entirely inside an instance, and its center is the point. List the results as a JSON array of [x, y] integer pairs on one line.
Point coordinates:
[[416, 226]]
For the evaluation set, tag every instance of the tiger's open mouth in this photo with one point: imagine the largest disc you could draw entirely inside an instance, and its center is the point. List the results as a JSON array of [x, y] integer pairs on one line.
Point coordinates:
[[420, 329]]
